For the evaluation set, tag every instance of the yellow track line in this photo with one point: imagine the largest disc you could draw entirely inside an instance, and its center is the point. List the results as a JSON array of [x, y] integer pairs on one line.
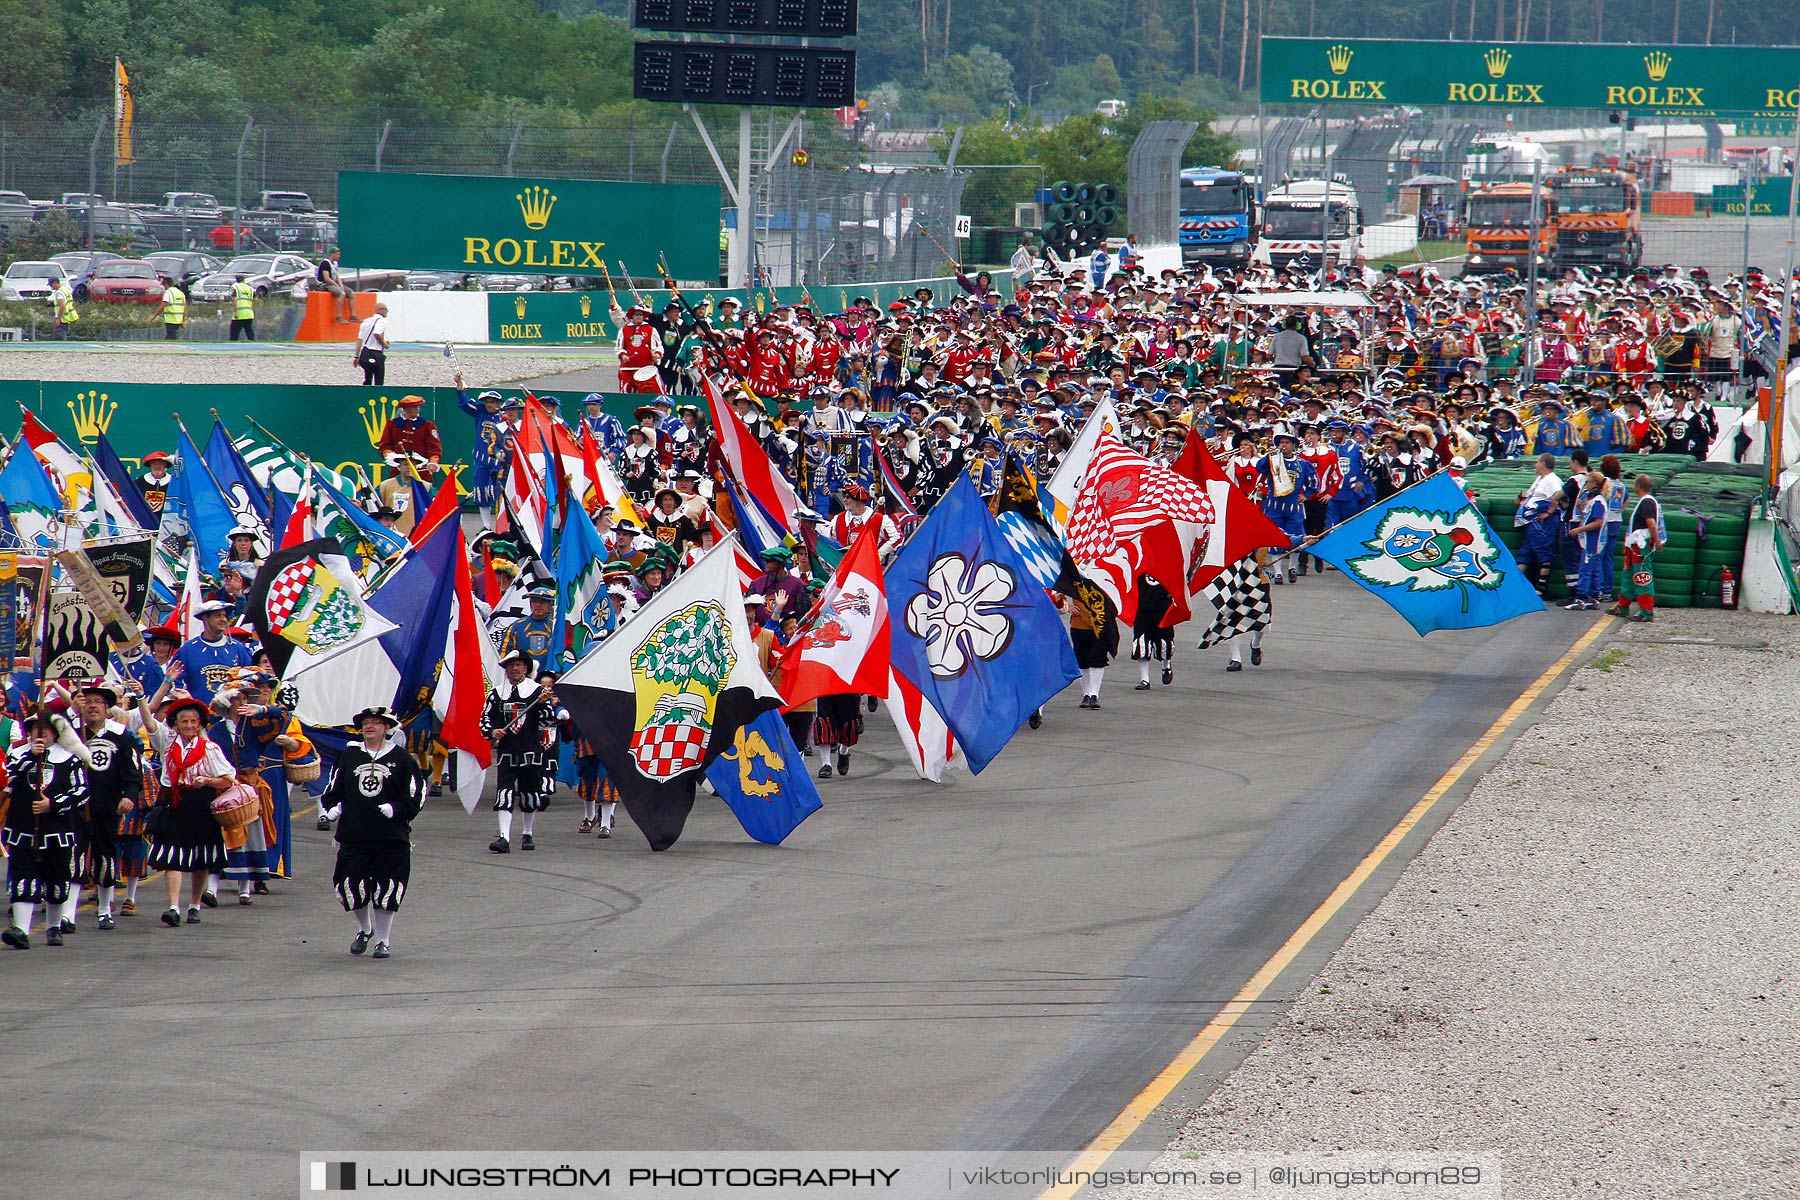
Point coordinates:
[[1144, 1103]]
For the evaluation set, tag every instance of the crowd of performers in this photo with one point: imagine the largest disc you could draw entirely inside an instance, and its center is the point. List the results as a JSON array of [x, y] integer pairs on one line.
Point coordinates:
[[870, 415]]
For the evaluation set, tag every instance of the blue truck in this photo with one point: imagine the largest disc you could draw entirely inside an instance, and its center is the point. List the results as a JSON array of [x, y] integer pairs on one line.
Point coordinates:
[[1218, 216]]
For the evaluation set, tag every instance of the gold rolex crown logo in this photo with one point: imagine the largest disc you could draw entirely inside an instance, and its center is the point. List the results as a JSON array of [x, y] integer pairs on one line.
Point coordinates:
[[1497, 61], [587, 305], [535, 204], [375, 416], [519, 305], [1657, 63], [1339, 58], [93, 414]]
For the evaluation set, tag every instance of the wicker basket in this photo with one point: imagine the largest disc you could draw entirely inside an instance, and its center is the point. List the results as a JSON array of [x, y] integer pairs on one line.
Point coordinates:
[[236, 807], [304, 771]]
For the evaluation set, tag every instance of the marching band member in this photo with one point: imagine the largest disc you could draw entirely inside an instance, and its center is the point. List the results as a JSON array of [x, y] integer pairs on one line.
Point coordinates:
[[375, 792]]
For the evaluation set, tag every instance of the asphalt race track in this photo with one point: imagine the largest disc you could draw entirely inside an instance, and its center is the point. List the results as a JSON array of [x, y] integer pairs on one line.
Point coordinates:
[[1000, 962]]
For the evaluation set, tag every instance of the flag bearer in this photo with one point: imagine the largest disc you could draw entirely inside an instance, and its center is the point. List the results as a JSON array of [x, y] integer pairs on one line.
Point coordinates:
[[47, 782], [520, 720], [115, 789]]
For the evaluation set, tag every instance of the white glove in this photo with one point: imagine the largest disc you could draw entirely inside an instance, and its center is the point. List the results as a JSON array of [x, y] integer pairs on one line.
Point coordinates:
[[331, 814], [386, 810]]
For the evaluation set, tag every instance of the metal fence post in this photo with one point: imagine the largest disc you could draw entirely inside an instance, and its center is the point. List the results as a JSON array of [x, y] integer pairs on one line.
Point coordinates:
[[237, 217], [93, 178], [513, 146], [381, 142]]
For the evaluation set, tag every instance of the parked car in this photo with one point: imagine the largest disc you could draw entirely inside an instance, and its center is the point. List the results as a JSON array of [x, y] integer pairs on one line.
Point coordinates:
[[293, 202], [176, 202], [110, 223], [264, 272], [126, 281], [30, 280], [81, 199], [79, 266], [436, 281], [185, 267], [9, 196]]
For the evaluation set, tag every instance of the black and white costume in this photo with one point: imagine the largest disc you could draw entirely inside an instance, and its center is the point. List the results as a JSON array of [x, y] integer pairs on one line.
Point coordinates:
[[374, 796], [523, 721], [115, 772], [41, 848], [520, 720], [1151, 639]]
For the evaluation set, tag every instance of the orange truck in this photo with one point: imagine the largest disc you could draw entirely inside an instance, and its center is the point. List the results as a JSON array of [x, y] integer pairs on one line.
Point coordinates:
[[1599, 219], [1498, 228]]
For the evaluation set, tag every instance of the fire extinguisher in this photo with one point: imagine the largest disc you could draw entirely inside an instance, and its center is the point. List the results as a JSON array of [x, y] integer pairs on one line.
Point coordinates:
[[1727, 588]]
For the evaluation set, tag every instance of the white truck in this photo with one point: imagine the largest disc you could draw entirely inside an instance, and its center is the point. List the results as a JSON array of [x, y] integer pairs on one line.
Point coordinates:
[[1308, 221]]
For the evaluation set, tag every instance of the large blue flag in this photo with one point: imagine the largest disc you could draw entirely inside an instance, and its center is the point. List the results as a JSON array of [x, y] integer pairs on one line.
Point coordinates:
[[418, 596], [764, 780], [197, 500], [582, 601], [31, 499], [973, 630], [1429, 553], [107, 460], [248, 502]]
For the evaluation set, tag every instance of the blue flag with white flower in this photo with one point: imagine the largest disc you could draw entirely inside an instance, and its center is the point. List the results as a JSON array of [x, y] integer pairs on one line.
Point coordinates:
[[1428, 552], [973, 628]]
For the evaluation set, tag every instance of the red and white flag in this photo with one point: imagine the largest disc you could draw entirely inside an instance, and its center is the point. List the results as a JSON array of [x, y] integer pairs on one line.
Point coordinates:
[[928, 740], [526, 501], [300, 521], [72, 477], [843, 645], [1241, 528], [193, 595], [1135, 517], [749, 463], [469, 664]]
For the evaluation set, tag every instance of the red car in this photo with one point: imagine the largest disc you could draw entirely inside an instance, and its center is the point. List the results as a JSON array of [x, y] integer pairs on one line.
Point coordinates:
[[126, 281]]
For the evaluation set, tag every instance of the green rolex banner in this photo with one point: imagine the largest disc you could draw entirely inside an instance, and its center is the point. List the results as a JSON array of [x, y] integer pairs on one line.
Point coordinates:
[[1672, 80], [528, 225]]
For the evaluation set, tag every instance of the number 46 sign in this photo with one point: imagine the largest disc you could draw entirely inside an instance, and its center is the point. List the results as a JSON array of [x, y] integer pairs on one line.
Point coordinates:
[[964, 225]]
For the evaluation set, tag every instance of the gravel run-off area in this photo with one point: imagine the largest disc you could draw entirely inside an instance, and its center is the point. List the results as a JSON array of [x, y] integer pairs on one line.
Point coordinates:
[[407, 367], [1590, 970]]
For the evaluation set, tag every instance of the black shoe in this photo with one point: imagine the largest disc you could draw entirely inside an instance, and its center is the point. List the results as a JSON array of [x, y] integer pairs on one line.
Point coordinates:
[[436, 789], [1036, 721], [1168, 674], [825, 769], [1256, 656], [193, 917], [382, 951], [843, 762], [527, 843], [1234, 665], [323, 826], [360, 942], [500, 846], [53, 936], [1086, 702], [106, 921], [172, 918], [17, 938], [605, 831], [210, 899], [1095, 706], [66, 925], [260, 887], [871, 704], [1141, 687], [1290, 575]]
